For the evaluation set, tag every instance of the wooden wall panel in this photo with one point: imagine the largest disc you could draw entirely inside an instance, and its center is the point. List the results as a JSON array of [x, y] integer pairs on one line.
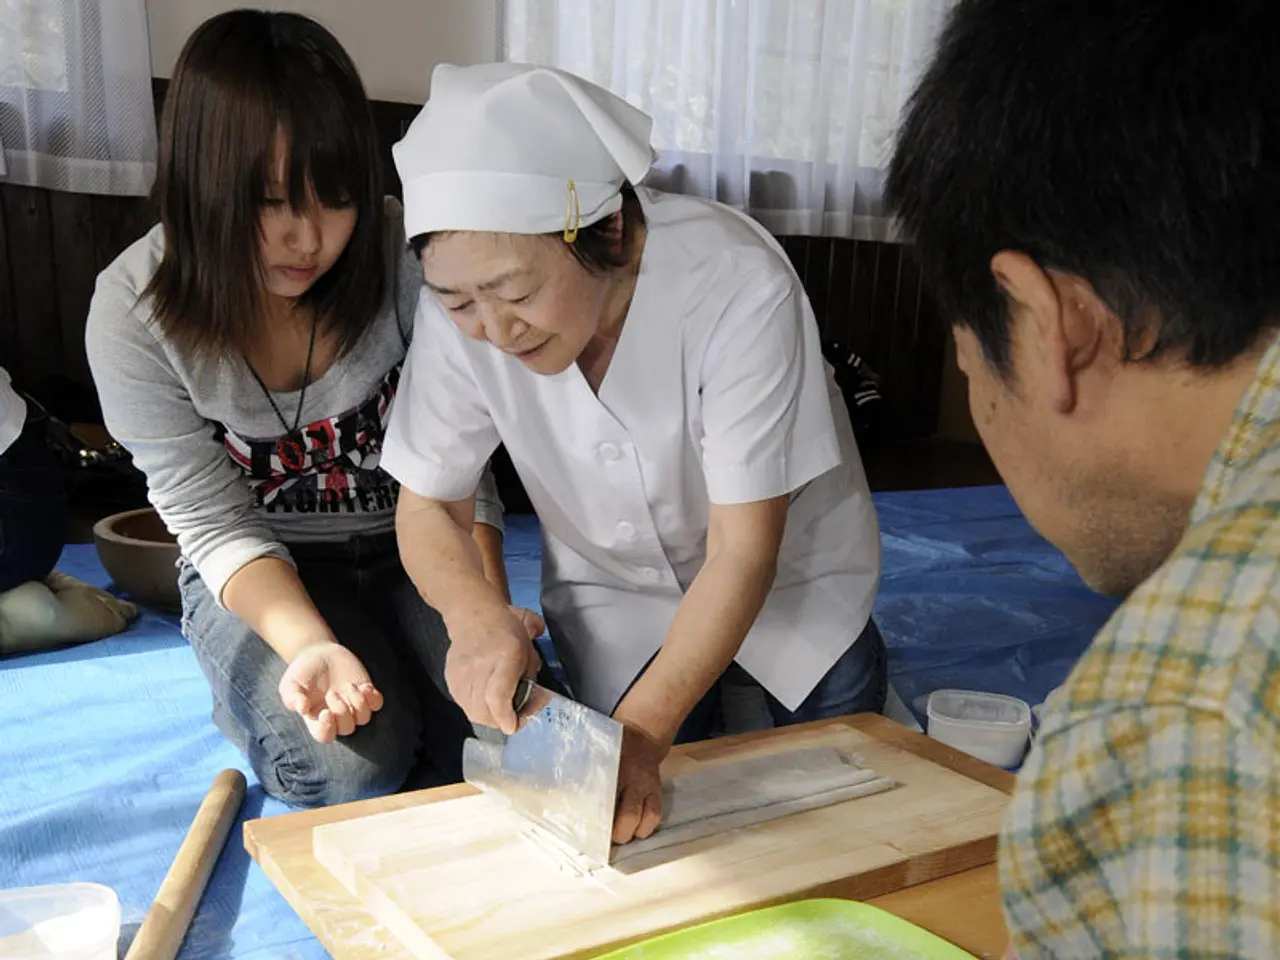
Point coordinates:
[[33, 281], [869, 297], [866, 295], [391, 119], [118, 222], [10, 353], [862, 297], [75, 267], [839, 296]]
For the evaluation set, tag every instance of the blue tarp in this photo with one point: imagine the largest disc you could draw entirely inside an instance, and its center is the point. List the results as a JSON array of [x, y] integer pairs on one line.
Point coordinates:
[[973, 598], [108, 748]]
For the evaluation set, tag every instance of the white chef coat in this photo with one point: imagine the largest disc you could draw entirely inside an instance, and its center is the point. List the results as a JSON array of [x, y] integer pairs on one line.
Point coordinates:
[[717, 393], [13, 412]]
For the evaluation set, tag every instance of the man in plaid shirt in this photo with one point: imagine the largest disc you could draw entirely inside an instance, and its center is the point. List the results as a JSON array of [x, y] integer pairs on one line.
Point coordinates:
[[1094, 192]]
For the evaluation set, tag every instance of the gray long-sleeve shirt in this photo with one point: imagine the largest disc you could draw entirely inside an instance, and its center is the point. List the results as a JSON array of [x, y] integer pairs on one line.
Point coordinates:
[[211, 446]]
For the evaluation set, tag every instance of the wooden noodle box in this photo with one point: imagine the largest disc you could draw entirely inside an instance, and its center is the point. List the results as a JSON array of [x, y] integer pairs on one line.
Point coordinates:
[[447, 873]]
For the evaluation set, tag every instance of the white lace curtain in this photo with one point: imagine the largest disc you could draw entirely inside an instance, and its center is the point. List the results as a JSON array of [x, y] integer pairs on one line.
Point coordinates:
[[76, 109], [783, 108]]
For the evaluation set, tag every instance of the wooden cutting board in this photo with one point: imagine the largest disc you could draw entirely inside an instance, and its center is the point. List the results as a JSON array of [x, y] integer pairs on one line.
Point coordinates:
[[456, 880]]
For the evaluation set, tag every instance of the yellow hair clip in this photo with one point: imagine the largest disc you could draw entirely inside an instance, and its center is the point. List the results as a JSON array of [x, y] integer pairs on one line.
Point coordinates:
[[572, 216]]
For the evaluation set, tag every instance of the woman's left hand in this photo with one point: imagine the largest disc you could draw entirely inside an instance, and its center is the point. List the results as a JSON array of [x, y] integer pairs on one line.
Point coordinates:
[[639, 809]]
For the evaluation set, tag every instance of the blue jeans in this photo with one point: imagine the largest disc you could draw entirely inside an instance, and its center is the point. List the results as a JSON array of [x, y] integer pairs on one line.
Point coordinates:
[[368, 601], [33, 509], [857, 683]]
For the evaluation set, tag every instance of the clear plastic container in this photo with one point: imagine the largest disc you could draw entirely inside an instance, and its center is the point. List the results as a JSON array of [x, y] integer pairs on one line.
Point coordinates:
[[988, 726], [70, 921]]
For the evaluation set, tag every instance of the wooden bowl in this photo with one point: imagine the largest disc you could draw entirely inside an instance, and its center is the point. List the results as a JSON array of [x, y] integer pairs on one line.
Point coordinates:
[[141, 556]]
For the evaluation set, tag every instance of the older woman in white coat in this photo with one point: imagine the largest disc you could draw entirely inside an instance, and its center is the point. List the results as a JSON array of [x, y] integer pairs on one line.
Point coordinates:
[[652, 365]]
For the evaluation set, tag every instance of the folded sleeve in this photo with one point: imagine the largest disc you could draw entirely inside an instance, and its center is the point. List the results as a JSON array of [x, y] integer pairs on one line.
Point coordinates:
[[197, 491], [441, 435], [766, 412]]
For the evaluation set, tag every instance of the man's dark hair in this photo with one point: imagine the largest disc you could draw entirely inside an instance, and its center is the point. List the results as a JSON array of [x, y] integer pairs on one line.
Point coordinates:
[[596, 248], [244, 79], [1133, 143]]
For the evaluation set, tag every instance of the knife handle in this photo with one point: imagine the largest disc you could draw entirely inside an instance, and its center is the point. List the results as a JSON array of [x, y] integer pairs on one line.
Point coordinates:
[[524, 690]]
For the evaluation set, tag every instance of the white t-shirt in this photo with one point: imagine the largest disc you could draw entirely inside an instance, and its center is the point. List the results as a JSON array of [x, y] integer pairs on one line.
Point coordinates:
[[13, 412], [717, 393]]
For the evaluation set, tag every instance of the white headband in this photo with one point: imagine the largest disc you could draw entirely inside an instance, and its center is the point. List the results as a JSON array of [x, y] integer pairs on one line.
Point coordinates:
[[514, 148]]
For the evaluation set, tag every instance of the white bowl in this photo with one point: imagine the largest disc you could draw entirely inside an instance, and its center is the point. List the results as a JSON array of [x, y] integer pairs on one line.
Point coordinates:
[[70, 921], [988, 726]]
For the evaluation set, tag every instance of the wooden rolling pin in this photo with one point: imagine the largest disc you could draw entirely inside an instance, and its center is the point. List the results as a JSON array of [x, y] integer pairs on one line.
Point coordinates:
[[166, 922]]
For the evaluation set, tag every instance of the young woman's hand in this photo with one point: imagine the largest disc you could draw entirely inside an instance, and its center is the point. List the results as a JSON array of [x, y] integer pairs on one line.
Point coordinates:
[[328, 686], [488, 655], [639, 810]]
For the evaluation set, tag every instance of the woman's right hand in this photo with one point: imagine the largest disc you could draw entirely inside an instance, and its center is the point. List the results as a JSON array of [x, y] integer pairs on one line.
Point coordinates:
[[328, 686], [488, 655]]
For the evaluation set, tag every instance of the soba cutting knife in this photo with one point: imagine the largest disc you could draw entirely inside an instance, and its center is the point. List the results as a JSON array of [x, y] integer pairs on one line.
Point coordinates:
[[559, 770]]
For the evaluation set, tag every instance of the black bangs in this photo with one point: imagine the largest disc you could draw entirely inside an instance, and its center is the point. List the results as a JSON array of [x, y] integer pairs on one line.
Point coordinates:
[[331, 145]]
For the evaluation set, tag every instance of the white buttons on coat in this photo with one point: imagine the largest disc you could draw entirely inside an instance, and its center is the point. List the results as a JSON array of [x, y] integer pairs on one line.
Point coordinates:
[[626, 530], [609, 452], [650, 574]]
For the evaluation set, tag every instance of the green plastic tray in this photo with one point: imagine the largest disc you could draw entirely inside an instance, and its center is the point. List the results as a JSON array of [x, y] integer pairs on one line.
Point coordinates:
[[806, 930]]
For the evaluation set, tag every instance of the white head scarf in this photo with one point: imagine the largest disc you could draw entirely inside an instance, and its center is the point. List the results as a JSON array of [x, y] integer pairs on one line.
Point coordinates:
[[514, 148]]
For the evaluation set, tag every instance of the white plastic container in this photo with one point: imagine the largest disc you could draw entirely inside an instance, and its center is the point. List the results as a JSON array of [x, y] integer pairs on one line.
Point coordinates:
[[989, 726], [70, 921]]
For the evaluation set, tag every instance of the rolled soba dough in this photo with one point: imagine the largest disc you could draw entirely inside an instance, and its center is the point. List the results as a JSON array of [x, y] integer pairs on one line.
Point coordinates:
[[730, 796]]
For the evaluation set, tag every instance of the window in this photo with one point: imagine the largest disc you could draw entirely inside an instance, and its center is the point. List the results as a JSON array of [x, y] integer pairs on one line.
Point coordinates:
[[76, 109], [33, 45], [784, 108]]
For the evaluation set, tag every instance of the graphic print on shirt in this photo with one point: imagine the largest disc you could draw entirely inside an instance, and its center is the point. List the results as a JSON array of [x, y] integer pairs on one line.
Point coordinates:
[[335, 469]]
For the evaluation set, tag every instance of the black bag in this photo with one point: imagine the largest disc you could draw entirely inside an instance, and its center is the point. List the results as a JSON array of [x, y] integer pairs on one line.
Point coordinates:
[[860, 386], [99, 477]]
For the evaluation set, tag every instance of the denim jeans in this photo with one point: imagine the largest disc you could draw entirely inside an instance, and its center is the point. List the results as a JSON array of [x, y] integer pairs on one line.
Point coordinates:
[[857, 683], [368, 601], [33, 508]]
